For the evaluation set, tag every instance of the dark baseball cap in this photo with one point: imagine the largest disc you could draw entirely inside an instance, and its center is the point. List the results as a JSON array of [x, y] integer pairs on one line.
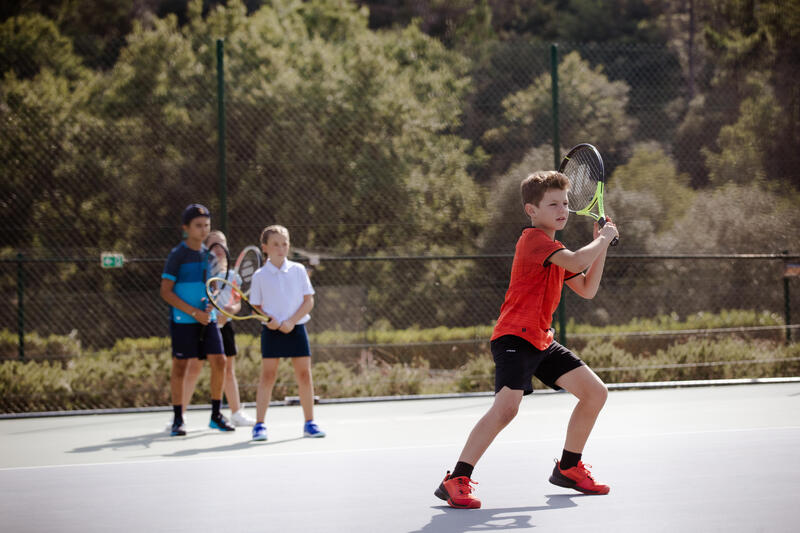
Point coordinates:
[[193, 211]]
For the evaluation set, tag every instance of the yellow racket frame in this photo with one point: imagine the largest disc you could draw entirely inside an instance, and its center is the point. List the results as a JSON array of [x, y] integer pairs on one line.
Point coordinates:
[[255, 315]]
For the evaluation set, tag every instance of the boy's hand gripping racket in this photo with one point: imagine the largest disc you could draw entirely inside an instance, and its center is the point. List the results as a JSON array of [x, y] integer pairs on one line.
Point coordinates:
[[215, 264], [584, 168]]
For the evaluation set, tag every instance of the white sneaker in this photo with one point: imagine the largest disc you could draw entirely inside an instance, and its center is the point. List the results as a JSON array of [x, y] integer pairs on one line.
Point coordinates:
[[240, 418]]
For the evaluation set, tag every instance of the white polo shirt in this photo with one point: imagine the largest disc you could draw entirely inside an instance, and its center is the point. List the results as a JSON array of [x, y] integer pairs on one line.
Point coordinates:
[[280, 291]]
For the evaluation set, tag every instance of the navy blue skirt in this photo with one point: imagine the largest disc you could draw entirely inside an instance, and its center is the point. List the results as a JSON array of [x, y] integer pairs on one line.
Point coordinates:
[[275, 343]]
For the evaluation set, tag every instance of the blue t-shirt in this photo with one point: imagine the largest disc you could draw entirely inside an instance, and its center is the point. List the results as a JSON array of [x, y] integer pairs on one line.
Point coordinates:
[[185, 267]]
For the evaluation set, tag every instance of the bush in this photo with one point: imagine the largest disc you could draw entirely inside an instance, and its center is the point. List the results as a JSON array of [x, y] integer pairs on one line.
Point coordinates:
[[135, 372], [38, 347]]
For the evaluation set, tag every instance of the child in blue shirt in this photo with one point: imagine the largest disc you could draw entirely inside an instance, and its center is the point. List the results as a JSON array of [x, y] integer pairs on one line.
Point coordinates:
[[192, 321]]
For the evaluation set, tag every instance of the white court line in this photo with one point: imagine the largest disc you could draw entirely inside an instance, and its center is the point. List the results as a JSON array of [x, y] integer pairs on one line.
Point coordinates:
[[394, 448]]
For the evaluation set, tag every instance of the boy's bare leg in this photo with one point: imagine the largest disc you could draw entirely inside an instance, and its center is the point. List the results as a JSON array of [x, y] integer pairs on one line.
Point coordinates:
[[503, 411], [591, 392], [570, 472], [193, 370], [176, 379], [269, 373], [217, 362], [231, 385], [305, 385]]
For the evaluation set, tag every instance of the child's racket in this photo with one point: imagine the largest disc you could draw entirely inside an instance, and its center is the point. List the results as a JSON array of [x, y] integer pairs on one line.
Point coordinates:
[[221, 291], [249, 260], [215, 264], [584, 168]]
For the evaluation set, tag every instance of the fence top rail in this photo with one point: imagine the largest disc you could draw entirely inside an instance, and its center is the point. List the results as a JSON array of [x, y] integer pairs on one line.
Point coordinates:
[[328, 259]]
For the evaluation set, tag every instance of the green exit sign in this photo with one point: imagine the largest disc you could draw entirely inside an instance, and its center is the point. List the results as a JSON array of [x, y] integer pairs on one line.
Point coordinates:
[[111, 260]]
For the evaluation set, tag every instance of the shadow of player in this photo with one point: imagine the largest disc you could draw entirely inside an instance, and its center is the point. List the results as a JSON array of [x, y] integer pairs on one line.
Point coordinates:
[[461, 520]]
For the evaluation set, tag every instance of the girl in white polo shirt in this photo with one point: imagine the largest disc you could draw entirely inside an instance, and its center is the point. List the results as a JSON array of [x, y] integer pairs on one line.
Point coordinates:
[[282, 291]]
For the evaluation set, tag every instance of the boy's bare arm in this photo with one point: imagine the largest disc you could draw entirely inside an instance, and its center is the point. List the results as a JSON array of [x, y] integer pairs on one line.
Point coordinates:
[[587, 284], [583, 258], [168, 295]]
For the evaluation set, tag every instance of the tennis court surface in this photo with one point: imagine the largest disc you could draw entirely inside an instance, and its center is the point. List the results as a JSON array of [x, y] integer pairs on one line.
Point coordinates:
[[691, 459]]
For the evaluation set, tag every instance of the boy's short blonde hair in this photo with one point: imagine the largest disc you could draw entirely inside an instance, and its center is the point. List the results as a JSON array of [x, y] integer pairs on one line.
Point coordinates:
[[534, 186], [275, 228], [218, 234]]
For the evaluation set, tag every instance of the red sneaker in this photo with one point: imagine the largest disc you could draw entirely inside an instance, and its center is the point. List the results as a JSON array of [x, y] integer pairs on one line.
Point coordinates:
[[578, 478], [457, 492]]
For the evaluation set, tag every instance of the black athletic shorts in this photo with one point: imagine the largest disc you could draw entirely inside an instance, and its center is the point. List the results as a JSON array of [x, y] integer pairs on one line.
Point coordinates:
[[186, 340], [517, 361], [228, 339]]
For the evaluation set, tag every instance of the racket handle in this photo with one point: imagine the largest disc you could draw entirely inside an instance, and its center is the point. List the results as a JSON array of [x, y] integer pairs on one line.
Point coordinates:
[[602, 222]]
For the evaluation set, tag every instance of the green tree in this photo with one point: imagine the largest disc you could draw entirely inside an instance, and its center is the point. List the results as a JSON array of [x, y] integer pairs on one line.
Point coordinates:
[[734, 218], [95, 28], [650, 170], [353, 122], [30, 43], [740, 38], [591, 108], [159, 111], [748, 147], [41, 97]]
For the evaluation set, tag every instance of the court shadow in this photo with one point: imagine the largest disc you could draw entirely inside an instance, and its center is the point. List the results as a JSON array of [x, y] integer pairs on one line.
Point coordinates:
[[134, 441], [234, 446], [463, 520]]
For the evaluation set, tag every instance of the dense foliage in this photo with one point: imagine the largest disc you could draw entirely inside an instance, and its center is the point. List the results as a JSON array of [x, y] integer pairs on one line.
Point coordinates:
[[379, 121], [392, 128]]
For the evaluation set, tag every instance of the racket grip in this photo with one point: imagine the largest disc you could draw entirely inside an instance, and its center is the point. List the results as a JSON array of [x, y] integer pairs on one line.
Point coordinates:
[[602, 222]]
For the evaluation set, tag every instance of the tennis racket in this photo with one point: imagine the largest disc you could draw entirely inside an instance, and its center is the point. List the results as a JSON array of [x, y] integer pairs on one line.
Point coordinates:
[[222, 291], [215, 264], [249, 260], [584, 168]]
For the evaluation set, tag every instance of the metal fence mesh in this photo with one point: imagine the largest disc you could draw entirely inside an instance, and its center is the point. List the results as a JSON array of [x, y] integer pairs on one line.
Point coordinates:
[[358, 298], [398, 180]]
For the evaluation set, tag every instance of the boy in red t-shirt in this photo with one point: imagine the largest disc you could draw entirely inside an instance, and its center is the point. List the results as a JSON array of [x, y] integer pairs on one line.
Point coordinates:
[[522, 342]]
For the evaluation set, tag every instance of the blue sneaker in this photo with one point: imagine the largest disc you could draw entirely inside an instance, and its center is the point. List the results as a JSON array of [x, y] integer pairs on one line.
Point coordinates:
[[311, 430], [259, 432], [221, 423]]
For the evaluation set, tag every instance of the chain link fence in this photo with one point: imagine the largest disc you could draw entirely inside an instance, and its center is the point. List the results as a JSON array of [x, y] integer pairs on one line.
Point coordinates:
[[395, 164], [359, 300]]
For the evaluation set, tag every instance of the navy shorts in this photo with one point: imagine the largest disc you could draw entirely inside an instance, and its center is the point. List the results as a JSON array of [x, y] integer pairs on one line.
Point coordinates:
[[186, 340], [228, 339], [517, 361], [275, 343]]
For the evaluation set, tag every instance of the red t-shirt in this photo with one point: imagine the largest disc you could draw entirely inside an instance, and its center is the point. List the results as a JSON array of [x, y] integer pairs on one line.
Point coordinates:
[[534, 290]]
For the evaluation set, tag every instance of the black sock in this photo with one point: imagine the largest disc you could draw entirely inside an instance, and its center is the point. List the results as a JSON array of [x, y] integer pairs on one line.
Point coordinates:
[[462, 469], [569, 459], [177, 411], [215, 404]]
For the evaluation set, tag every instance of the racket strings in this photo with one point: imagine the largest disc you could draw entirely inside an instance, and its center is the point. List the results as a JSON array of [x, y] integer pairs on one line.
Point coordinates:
[[222, 292], [583, 172]]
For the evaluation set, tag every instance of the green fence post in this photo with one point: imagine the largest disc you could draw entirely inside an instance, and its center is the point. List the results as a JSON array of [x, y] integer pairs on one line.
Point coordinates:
[[21, 305], [223, 185], [787, 307], [562, 314], [787, 310]]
